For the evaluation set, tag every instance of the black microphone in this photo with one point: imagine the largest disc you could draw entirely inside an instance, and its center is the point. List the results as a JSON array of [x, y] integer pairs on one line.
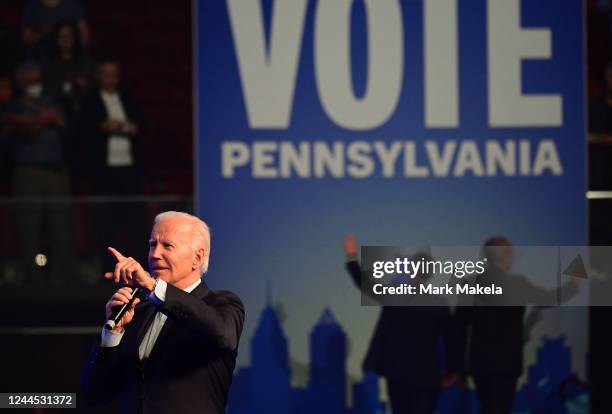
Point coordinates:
[[119, 311]]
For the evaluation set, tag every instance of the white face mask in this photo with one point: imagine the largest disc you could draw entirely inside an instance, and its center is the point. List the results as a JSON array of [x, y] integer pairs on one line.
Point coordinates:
[[34, 91]]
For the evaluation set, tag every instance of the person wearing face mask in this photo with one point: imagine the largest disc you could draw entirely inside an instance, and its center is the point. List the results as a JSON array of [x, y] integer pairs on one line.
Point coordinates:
[[37, 129]]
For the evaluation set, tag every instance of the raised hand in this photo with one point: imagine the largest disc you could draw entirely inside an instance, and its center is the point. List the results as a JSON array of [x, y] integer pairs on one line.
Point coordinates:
[[351, 245], [129, 272]]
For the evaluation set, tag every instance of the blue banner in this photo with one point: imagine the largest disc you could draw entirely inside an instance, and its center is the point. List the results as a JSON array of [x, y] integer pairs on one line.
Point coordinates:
[[403, 122]]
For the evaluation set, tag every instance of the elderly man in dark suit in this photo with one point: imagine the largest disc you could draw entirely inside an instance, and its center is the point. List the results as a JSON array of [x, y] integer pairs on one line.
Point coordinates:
[[176, 352]]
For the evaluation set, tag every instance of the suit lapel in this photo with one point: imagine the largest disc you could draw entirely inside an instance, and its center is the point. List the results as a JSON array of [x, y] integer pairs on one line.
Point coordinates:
[[148, 314], [200, 291], [163, 334], [147, 319]]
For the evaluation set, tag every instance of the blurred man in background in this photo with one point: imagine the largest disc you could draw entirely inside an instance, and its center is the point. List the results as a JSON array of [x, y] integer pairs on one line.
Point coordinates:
[[109, 133], [488, 339], [407, 347]]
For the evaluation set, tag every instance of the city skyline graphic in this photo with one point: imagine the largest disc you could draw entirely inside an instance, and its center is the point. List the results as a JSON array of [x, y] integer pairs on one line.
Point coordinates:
[[551, 386]]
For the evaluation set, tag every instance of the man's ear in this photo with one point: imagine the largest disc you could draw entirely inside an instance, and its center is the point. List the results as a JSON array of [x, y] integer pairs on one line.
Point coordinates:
[[198, 259]]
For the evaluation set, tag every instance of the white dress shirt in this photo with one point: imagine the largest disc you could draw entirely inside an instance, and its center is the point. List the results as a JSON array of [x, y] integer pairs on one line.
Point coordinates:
[[157, 297]]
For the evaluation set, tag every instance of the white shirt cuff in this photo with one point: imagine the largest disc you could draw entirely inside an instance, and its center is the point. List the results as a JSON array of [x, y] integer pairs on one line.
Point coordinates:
[[158, 295], [110, 338]]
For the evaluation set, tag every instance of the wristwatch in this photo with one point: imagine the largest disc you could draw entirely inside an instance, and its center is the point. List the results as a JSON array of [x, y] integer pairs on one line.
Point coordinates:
[[154, 285]]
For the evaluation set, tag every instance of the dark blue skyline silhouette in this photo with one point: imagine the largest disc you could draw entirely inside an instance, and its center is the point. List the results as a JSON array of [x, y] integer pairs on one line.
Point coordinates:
[[265, 386]]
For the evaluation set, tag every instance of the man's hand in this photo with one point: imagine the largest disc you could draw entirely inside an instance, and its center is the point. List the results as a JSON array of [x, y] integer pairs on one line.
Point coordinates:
[[121, 297], [111, 126], [129, 272], [351, 245]]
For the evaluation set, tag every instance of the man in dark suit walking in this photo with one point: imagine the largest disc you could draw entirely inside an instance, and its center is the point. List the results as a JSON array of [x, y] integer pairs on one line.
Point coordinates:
[[176, 352], [488, 339], [407, 348]]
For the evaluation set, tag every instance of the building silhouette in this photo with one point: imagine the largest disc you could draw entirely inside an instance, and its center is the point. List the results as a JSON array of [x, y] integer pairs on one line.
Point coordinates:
[[265, 386], [551, 385]]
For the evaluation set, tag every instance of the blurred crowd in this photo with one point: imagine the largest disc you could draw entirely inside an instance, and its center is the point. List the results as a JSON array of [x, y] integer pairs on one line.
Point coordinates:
[[67, 126]]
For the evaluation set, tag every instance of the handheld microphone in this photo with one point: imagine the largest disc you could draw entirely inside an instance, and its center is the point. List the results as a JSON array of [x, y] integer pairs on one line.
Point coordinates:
[[119, 311]]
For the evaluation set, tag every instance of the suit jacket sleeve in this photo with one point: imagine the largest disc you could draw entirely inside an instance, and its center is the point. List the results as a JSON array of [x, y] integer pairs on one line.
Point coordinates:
[[537, 295], [101, 379], [221, 319], [132, 110], [354, 269]]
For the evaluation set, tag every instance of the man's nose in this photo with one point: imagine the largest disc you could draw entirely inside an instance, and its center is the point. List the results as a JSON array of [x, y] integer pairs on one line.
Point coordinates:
[[154, 252]]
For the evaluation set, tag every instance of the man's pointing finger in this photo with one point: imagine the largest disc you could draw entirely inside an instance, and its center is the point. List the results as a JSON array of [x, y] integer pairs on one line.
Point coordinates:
[[116, 253]]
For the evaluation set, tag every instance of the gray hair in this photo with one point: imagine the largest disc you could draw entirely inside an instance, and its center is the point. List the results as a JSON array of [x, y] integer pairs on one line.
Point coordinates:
[[201, 233]]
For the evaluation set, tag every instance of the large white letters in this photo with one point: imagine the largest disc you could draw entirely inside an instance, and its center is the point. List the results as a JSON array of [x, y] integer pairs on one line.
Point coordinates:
[[508, 45], [267, 74], [441, 64], [333, 62]]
